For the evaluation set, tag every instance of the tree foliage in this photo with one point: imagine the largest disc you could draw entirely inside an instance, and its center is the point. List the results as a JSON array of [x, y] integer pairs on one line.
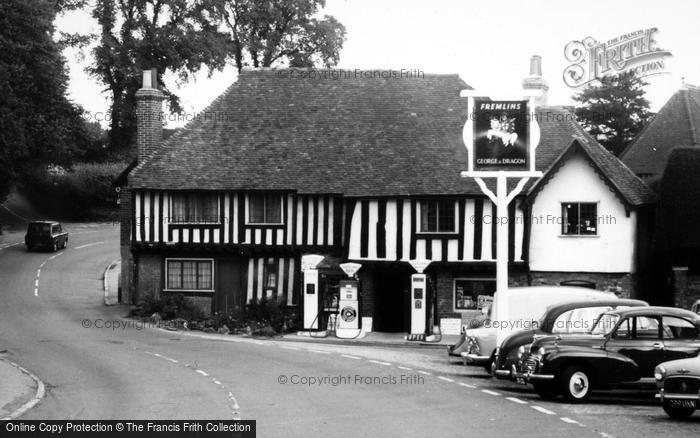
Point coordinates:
[[185, 36], [169, 35], [38, 124], [615, 110], [264, 33]]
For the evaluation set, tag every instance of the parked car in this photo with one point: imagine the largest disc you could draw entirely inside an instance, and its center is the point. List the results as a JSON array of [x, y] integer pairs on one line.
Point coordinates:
[[679, 386], [696, 307], [572, 317], [45, 234], [624, 346], [517, 309]]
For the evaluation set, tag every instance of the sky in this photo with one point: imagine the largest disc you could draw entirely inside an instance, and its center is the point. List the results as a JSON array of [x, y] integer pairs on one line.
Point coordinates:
[[488, 44]]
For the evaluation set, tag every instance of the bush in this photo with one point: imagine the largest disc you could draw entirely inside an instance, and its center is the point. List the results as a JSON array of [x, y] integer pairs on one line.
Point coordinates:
[[84, 192], [271, 312], [169, 307]]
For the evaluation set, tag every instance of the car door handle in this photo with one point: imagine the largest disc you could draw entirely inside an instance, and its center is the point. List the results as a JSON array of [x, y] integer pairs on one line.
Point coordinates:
[[658, 346]]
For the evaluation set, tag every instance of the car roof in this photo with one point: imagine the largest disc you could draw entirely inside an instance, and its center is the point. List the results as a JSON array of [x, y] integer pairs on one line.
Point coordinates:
[[530, 289], [657, 310], [558, 309], [43, 223]]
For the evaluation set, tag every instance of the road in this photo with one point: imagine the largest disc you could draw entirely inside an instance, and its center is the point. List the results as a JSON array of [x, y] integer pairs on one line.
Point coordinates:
[[53, 322]]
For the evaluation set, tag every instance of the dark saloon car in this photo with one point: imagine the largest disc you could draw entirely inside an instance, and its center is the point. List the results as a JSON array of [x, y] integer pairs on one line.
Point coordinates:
[[624, 346], [573, 317], [679, 386], [45, 234]]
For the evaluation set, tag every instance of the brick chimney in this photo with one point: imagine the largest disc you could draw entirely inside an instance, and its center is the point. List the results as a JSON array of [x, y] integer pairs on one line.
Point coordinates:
[[535, 81], [149, 115]]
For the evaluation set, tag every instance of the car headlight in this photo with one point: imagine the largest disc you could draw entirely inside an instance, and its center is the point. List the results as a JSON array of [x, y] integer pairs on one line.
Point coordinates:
[[521, 351], [660, 373], [473, 345]]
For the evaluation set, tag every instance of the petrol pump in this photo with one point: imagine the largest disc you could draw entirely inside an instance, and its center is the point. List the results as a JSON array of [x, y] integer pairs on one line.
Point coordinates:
[[310, 291], [419, 290], [348, 320]]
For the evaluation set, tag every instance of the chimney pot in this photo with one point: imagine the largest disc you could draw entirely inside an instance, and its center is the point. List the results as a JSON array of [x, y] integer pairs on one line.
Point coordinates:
[[536, 65], [150, 78]]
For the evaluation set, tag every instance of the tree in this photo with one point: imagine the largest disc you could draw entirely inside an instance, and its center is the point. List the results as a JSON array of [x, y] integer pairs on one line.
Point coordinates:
[[264, 33], [174, 35], [615, 110], [38, 124]]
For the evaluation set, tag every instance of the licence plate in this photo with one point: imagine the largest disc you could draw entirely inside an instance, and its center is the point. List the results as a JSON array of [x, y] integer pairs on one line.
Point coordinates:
[[682, 403], [521, 381]]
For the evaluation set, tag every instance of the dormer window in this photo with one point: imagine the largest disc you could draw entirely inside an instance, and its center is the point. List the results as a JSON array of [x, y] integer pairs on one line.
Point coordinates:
[[265, 209]]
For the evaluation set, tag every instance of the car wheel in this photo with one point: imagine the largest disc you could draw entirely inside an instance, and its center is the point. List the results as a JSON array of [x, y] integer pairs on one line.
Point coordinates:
[[576, 384], [547, 391], [675, 412]]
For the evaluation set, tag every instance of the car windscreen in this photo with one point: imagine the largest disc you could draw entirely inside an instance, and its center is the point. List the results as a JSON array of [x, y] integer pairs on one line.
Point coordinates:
[[605, 324], [578, 320]]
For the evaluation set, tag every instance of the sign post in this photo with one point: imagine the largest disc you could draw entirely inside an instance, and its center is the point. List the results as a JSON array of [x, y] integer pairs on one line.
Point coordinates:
[[501, 137]]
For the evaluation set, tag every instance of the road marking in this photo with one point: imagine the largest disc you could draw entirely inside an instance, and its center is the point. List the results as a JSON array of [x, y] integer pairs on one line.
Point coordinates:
[[88, 244], [541, 409], [466, 385], [516, 400], [425, 373], [7, 246], [202, 373], [36, 283], [445, 379], [36, 291], [405, 368], [166, 358], [489, 392], [347, 356], [606, 435], [570, 421], [286, 347], [379, 362], [216, 381], [38, 272], [319, 351]]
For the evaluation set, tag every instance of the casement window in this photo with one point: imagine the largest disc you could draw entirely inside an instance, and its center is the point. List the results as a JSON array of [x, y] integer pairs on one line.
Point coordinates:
[[437, 216], [265, 209], [579, 218], [473, 293], [194, 208], [189, 275]]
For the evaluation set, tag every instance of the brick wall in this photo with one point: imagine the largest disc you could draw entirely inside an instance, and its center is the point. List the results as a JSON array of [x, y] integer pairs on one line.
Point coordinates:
[[620, 283], [149, 276]]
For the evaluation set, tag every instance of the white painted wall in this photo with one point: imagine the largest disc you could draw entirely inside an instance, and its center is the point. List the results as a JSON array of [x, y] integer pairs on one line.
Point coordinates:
[[612, 250]]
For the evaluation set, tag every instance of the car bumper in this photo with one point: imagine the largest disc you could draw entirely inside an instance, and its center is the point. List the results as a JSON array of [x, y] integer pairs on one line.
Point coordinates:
[[474, 359], [662, 395], [525, 378]]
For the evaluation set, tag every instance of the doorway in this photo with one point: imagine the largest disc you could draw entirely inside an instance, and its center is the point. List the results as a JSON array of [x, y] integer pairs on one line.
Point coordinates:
[[391, 300], [229, 286]]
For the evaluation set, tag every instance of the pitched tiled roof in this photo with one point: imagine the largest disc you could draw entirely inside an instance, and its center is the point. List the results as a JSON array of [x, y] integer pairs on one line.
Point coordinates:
[[676, 124], [679, 201], [272, 130]]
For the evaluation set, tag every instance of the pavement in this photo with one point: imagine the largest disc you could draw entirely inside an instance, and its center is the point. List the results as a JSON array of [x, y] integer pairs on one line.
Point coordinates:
[[21, 390]]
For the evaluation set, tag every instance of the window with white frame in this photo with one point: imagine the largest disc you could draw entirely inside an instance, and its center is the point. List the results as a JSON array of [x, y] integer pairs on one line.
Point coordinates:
[[437, 216], [579, 218], [194, 208], [189, 275], [265, 209]]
